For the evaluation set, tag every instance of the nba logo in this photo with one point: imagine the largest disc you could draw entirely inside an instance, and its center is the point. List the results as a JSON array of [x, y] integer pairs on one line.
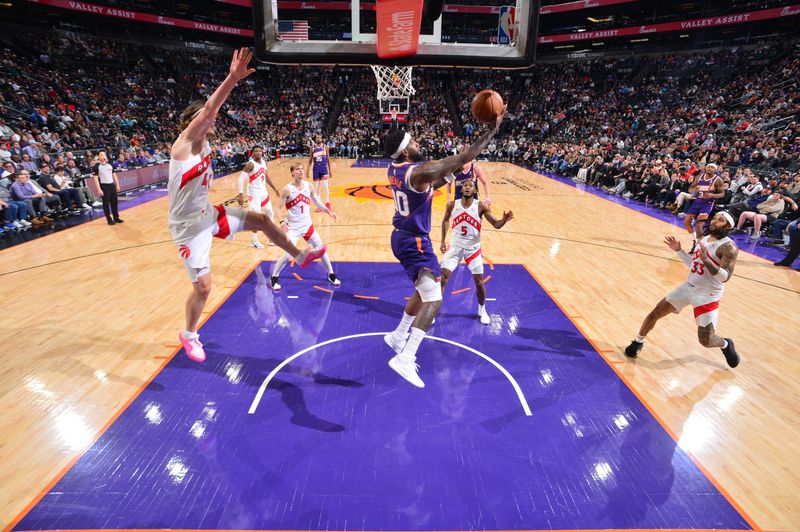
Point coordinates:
[[505, 27]]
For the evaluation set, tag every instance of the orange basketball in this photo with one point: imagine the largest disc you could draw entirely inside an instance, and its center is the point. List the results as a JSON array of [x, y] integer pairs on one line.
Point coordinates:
[[486, 105]]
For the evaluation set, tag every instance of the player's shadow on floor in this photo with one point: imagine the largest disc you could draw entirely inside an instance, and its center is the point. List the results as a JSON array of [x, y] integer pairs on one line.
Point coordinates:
[[258, 369], [366, 306], [557, 341]]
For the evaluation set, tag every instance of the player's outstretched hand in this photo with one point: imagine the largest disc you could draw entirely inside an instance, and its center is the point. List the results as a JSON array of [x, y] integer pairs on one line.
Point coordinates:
[[240, 200], [673, 243], [241, 58], [508, 215], [444, 247], [500, 117]]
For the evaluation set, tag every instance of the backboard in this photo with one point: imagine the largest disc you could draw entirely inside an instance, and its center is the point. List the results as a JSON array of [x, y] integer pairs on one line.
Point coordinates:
[[497, 34]]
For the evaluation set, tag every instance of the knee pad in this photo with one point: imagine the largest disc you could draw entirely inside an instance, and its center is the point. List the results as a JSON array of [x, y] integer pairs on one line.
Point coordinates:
[[429, 288]]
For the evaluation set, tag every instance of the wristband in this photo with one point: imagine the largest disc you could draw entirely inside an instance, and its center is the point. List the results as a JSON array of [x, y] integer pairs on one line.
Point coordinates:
[[722, 275]]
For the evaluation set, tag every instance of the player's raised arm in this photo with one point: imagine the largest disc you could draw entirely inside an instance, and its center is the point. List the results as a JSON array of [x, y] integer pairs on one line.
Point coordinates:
[[486, 212], [445, 224], [435, 172], [204, 119]]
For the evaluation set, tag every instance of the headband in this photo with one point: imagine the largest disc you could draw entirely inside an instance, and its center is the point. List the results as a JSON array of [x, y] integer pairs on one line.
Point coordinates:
[[728, 217], [403, 145]]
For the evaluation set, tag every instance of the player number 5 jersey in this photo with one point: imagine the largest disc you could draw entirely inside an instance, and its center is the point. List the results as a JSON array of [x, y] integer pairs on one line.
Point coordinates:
[[466, 225], [699, 276]]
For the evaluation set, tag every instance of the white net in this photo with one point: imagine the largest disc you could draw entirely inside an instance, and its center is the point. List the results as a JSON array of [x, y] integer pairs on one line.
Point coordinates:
[[393, 81]]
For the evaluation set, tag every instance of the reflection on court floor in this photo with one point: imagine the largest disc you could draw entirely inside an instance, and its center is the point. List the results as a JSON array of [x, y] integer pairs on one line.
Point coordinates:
[[336, 440]]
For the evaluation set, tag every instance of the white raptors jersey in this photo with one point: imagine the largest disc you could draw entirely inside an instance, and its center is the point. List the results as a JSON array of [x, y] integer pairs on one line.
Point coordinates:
[[298, 206], [466, 225], [188, 186], [257, 180], [699, 275]]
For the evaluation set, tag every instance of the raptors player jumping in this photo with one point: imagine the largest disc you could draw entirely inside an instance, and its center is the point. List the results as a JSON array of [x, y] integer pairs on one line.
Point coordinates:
[[297, 197], [193, 221], [319, 168], [466, 241], [710, 266], [412, 183], [256, 175]]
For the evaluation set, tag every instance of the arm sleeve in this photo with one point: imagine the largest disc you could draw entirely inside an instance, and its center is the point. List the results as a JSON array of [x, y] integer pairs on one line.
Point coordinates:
[[685, 258], [242, 177]]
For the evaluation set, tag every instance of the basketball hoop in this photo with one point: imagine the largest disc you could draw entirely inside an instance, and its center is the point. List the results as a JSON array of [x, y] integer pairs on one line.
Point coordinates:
[[393, 81]]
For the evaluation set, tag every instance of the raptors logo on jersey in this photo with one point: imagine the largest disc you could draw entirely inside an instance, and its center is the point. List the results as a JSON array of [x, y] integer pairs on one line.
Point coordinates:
[[466, 224], [184, 251]]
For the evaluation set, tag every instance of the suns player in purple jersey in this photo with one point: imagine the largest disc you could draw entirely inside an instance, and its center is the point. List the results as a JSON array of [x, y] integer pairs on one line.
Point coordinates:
[[319, 168], [412, 183], [470, 172], [193, 221], [706, 189]]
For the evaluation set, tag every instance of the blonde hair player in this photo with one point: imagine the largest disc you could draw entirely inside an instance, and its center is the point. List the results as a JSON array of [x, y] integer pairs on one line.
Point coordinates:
[[710, 267], [465, 243], [257, 177], [297, 196], [193, 221]]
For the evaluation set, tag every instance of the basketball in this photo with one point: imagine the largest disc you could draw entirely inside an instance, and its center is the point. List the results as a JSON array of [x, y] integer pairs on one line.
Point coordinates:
[[486, 105]]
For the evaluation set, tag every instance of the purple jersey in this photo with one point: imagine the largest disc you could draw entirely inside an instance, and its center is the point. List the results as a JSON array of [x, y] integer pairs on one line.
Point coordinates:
[[412, 209], [320, 160], [464, 176], [706, 186]]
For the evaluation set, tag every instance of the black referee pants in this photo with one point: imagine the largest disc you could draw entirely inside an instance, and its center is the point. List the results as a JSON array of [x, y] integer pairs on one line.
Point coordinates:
[[110, 201]]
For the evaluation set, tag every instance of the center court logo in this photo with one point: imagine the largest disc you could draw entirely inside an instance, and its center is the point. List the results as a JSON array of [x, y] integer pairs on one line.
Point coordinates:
[[375, 192], [184, 251]]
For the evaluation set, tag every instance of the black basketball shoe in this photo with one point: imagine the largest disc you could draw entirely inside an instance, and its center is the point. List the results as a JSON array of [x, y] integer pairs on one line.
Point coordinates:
[[633, 349], [731, 356]]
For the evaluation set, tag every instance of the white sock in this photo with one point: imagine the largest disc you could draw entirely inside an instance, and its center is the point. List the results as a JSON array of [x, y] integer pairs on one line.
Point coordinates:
[[409, 353], [402, 327], [327, 262], [279, 264], [481, 309], [724, 345], [190, 335], [640, 339], [254, 238]]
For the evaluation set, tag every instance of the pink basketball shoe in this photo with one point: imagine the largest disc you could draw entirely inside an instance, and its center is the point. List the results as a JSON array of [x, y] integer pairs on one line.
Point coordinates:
[[194, 349], [309, 255]]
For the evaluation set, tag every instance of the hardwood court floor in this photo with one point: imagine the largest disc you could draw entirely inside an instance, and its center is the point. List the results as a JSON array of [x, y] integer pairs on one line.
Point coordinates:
[[92, 313]]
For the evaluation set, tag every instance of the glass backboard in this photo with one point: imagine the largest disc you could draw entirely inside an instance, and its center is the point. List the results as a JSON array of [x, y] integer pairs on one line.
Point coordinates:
[[491, 34]]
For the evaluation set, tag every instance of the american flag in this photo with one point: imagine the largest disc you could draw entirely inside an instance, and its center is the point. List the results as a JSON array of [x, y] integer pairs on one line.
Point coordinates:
[[293, 30]]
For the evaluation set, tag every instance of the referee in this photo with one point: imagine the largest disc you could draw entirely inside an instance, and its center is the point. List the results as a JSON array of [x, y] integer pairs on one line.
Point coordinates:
[[106, 179]]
